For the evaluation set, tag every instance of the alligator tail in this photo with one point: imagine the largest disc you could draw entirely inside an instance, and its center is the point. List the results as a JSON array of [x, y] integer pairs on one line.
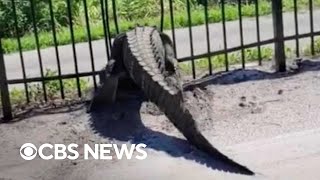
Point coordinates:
[[144, 59]]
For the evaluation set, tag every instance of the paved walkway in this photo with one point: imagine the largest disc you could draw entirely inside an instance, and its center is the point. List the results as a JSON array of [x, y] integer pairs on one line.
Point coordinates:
[[289, 156], [182, 38]]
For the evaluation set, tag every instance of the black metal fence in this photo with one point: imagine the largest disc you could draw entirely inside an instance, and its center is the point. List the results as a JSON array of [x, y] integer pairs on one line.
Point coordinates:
[[110, 22]]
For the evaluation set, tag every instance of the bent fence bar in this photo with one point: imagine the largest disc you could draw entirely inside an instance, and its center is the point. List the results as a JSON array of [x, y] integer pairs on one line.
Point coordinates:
[[110, 19]]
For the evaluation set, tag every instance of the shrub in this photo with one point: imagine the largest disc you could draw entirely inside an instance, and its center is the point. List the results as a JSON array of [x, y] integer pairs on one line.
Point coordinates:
[[7, 22], [42, 15]]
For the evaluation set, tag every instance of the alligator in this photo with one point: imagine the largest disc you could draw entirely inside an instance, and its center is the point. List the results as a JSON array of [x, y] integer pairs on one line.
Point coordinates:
[[144, 58]]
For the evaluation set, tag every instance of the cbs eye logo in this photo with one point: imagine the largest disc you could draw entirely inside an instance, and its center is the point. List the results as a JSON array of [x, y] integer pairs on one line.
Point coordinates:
[[28, 151]]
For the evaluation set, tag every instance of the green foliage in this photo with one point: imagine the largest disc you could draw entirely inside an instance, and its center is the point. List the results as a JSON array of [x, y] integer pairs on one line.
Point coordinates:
[[42, 15], [132, 9], [69, 85], [17, 97], [307, 49], [7, 22]]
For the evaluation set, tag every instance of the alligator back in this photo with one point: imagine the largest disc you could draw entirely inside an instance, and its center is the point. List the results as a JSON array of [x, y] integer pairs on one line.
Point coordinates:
[[150, 65]]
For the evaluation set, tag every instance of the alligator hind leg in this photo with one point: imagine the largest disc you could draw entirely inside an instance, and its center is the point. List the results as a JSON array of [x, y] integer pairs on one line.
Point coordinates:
[[110, 76], [107, 91], [113, 87], [106, 94]]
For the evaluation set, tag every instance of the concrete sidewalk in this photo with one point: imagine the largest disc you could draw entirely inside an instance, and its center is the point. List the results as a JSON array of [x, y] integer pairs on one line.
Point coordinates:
[[289, 156]]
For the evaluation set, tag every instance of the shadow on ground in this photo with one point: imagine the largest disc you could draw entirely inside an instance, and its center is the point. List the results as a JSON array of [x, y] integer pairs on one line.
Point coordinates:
[[245, 75], [121, 121]]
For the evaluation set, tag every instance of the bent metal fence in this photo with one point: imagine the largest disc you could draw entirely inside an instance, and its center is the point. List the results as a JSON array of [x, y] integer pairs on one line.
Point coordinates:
[[111, 24]]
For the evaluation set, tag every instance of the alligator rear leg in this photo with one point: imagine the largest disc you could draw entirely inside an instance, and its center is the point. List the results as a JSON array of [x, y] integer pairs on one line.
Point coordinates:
[[113, 77], [107, 91]]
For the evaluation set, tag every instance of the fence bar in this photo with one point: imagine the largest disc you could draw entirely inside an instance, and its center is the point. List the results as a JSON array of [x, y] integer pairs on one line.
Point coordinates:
[[229, 50], [90, 42], [300, 36], [52, 78], [104, 27], [191, 39], [241, 34], [20, 50], [4, 89], [73, 47], [279, 49], [53, 26], [208, 35], [224, 34], [296, 23], [115, 17], [172, 27], [311, 26], [258, 31], [162, 15], [246, 46], [108, 26], [38, 47]]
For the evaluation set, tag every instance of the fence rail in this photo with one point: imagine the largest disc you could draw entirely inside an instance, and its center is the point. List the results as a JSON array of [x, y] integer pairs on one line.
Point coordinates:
[[110, 22]]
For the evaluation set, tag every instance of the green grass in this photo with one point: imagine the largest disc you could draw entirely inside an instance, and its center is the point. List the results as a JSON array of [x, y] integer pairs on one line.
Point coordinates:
[[10, 45], [307, 49], [251, 55], [218, 61], [35, 92], [234, 58]]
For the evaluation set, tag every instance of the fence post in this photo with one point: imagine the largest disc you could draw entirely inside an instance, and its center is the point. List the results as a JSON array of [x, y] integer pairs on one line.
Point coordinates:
[[5, 97], [279, 48]]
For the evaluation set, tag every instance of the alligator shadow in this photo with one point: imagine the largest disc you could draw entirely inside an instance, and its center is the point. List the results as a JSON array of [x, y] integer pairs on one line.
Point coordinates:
[[121, 121], [245, 75]]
